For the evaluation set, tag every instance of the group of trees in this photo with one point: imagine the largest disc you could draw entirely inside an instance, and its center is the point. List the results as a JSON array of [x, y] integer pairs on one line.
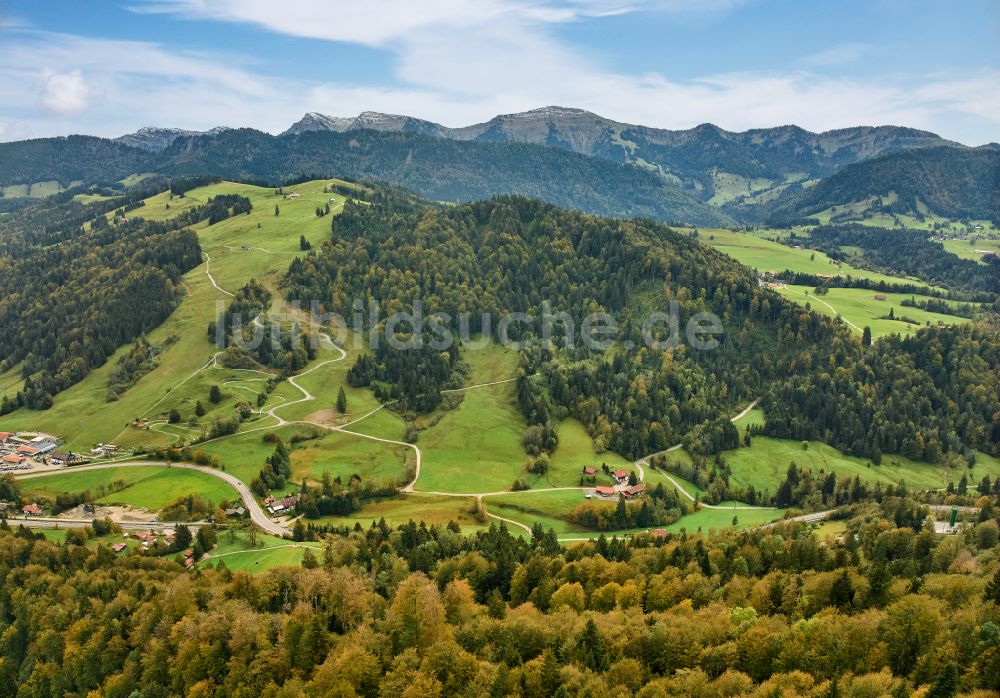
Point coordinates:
[[251, 337], [908, 253], [932, 396], [888, 608]]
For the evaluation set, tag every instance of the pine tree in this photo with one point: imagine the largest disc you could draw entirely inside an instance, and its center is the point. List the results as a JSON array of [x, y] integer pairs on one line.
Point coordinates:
[[992, 592], [199, 409], [341, 401], [277, 211], [215, 395], [866, 336], [946, 685]]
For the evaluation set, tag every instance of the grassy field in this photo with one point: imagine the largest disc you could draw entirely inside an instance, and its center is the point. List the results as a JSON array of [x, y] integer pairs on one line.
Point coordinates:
[[766, 255], [236, 552], [147, 487], [551, 508], [977, 251], [429, 508], [576, 450], [764, 463], [859, 307]]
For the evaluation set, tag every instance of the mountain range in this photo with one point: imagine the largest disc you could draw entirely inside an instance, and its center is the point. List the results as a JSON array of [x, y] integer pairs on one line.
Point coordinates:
[[570, 157]]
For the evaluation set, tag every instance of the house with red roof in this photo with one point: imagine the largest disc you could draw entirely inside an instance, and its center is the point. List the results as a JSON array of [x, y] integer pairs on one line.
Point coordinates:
[[13, 459], [603, 491], [32, 510], [620, 475], [634, 491]]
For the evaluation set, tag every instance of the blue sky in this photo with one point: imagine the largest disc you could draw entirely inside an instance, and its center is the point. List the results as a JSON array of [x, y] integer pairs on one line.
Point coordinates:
[[107, 68]]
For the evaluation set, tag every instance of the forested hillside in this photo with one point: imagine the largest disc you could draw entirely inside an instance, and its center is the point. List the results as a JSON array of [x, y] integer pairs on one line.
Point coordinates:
[[950, 182], [444, 170], [425, 612], [74, 158], [75, 286], [511, 254]]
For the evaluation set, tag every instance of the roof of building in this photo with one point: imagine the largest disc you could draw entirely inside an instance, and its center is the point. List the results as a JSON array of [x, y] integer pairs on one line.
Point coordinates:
[[60, 455], [620, 473], [589, 470], [118, 547], [600, 489], [13, 458], [27, 450], [32, 509], [634, 490]]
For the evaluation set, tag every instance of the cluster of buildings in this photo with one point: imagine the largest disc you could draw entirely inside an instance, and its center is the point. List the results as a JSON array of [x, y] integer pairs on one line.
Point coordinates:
[[280, 506], [620, 486], [22, 450], [27, 510]]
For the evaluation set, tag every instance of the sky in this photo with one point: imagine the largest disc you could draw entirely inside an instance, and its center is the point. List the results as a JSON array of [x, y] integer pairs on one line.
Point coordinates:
[[108, 68]]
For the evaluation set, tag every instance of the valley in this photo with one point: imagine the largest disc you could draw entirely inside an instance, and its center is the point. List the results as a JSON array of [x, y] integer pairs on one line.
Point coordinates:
[[462, 461]]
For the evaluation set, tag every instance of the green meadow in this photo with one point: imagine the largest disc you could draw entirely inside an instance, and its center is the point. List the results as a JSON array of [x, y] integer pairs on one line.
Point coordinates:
[[148, 487], [860, 307]]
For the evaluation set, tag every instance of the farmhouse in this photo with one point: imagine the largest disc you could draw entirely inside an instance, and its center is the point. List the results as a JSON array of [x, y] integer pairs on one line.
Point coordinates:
[[620, 475], [235, 512], [603, 491], [588, 470], [659, 533], [118, 547], [278, 506], [61, 457], [880, 296], [13, 459], [634, 491], [4, 435], [27, 450], [32, 510]]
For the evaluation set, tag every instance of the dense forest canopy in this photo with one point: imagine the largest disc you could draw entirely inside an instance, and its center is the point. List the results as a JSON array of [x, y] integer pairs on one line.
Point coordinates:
[[426, 612]]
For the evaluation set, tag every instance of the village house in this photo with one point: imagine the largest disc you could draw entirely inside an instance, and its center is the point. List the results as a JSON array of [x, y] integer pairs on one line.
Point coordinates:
[[4, 435], [60, 458], [634, 491], [118, 547], [620, 475], [603, 491], [13, 459], [659, 533], [32, 510], [235, 512], [26, 450], [588, 470], [280, 506]]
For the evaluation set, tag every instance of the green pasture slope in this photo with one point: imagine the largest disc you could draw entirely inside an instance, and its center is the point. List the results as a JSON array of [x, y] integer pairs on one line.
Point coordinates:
[[82, 415]]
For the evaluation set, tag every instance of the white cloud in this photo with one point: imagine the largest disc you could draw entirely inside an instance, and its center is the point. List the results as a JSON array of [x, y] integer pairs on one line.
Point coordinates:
[[456, 63], [65, 94]]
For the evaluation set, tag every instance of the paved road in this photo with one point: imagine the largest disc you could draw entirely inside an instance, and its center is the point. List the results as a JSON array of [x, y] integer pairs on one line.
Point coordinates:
[[56, 522], [257, 514]]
